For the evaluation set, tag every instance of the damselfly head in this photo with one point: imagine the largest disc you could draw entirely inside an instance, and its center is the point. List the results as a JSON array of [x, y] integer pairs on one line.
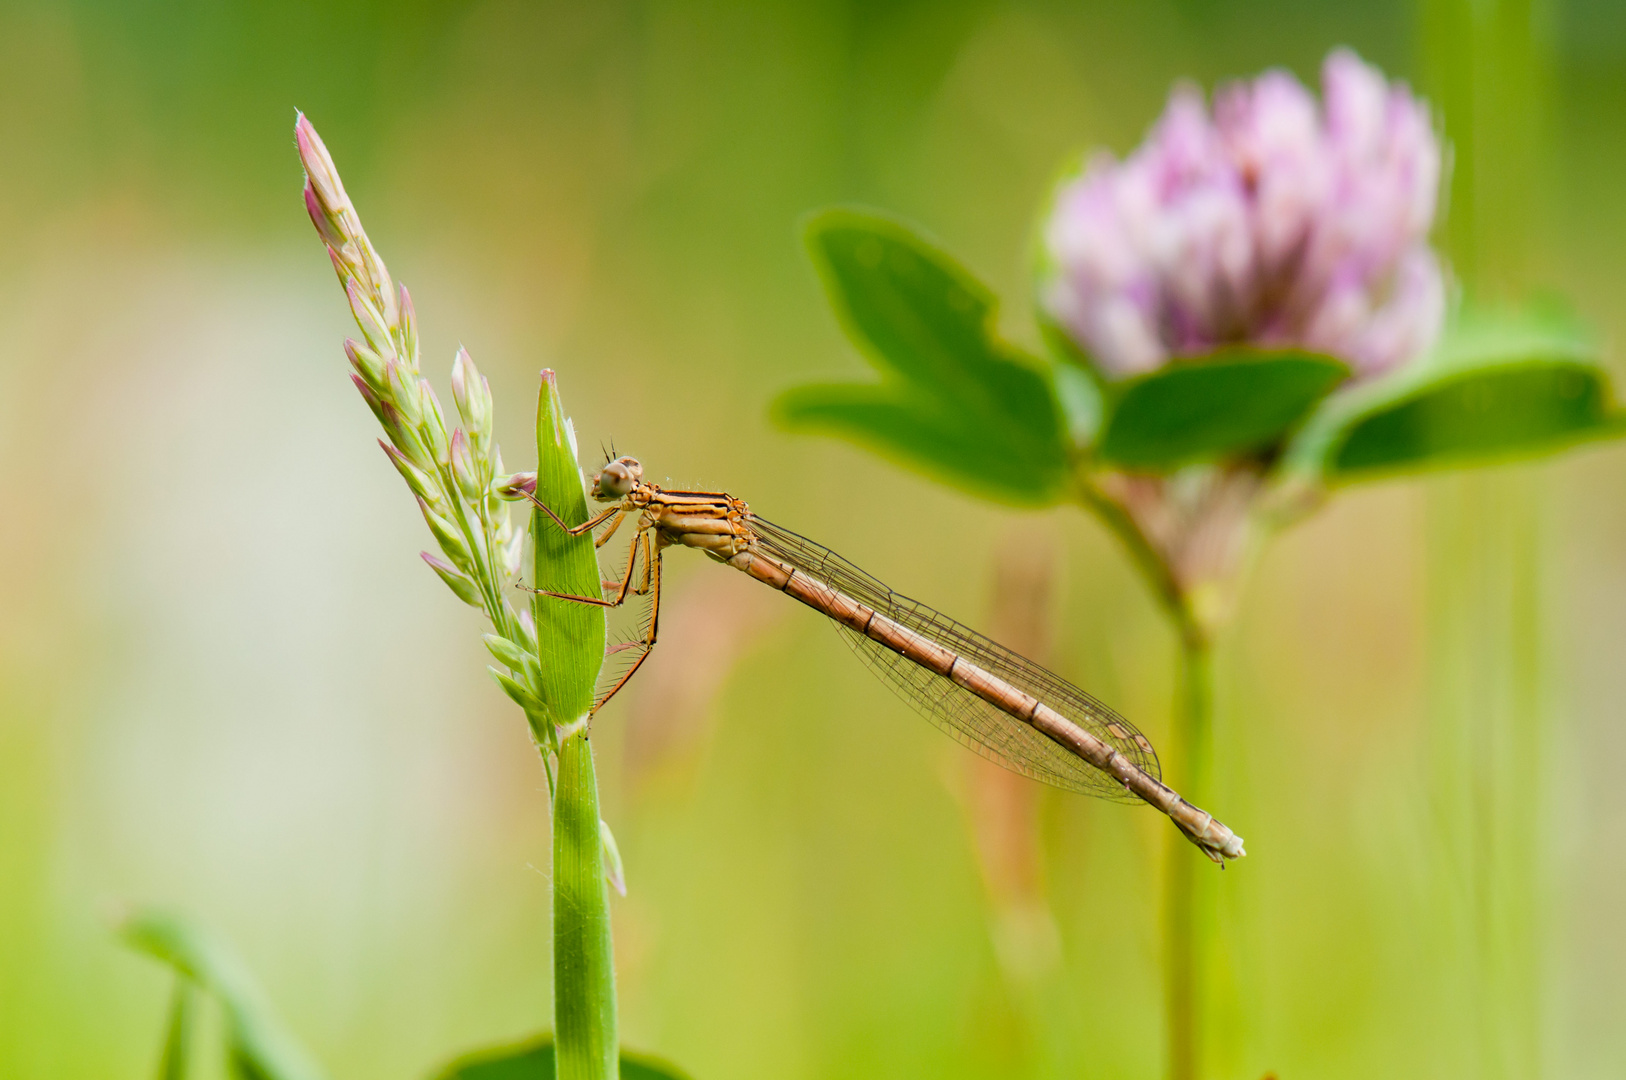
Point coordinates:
[[617, 479]]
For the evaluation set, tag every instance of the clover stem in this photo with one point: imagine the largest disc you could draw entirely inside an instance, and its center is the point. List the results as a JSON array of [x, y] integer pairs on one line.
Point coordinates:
[[1188, 904]]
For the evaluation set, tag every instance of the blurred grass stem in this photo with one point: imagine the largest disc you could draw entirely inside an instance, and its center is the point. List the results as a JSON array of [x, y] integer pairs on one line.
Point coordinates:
[[178, 1034], [1492, 68], [1188, 899], [1488, 772]]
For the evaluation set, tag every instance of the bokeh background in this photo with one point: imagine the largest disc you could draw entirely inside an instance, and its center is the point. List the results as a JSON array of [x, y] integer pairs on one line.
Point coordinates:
[[227, 682]]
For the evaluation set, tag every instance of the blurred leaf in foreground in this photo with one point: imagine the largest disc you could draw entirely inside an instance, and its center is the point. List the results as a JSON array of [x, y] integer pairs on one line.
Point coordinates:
[[953, 399], [1499, 385], [1228, 403], [533, 1060], [257, 1047]]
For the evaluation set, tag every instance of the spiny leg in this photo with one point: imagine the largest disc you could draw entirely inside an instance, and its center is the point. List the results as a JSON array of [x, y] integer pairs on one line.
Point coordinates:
[[597, 519], [575, 530], [621, 592], [632, 565], [652, 560], [604, 538]]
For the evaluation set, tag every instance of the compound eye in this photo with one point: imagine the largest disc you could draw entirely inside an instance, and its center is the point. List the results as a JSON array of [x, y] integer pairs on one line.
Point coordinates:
[[613, 482]]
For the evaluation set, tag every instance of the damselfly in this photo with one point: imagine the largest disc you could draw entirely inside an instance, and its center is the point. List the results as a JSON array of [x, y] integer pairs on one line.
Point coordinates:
[[996, 702]]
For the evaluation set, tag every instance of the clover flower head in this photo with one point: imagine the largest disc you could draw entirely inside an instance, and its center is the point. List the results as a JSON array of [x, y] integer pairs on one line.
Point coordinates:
[[1270, 220]]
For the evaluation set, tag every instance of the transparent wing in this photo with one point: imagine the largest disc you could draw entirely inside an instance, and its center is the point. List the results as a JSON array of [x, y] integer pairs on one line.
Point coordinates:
[[967, 717]]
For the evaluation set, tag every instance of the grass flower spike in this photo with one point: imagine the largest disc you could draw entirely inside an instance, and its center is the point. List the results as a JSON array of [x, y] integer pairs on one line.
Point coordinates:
[[548, 656], [450, 471]]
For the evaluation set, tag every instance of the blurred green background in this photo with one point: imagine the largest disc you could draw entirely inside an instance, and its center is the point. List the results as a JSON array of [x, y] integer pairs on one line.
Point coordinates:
[[227, 683]]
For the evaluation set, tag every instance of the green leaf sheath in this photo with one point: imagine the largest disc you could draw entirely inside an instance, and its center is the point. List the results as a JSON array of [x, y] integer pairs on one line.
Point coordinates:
[[953, 399], [1499, 386], [256, 1044], [533, 1060], [1221, 405], [570, 643], [583, 969], [570, 636]]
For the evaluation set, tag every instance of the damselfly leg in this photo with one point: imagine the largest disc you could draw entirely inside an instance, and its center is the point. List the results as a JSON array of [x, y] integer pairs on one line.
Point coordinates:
[[623, 658], [576, 530], [598, 542]]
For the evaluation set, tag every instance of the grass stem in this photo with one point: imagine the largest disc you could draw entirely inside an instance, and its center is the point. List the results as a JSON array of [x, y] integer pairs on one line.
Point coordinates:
[[584, 1011]]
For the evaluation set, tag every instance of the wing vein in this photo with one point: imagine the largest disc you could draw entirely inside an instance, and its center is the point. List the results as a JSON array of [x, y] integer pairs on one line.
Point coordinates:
[[971, 720]]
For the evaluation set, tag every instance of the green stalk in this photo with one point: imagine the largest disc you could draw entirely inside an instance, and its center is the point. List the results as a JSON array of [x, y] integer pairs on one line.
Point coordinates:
[[583, 969], [1188, 894], [1189, 897], [570, 642]]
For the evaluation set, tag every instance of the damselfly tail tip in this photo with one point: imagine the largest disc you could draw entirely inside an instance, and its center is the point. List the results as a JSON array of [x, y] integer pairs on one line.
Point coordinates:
[[1219, 849]]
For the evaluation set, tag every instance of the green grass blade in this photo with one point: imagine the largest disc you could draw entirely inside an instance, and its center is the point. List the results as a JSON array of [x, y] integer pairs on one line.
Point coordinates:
[[178, 1032], [257, 1045]]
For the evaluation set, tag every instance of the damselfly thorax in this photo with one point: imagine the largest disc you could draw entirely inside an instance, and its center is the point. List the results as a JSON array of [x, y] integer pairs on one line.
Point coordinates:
[[996, 702]]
